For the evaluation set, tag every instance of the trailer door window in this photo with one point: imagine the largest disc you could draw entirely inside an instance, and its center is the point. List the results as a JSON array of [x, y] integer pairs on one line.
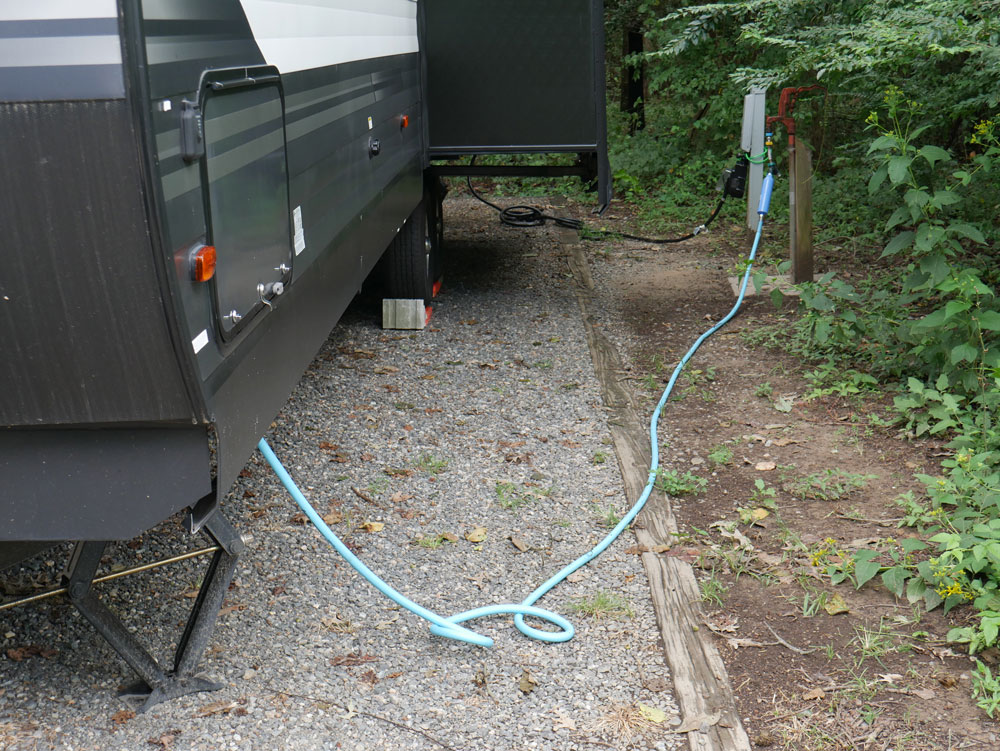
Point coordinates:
[[248, 200]]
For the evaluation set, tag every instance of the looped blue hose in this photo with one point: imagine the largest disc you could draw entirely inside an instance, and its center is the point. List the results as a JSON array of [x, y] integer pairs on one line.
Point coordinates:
[[451, 627]]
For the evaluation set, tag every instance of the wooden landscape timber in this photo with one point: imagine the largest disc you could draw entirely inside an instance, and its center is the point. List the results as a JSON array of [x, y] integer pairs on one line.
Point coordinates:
[[701, 683]]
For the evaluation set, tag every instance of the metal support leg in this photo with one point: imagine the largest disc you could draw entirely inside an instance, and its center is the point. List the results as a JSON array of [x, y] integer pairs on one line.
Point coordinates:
[[156, 684]]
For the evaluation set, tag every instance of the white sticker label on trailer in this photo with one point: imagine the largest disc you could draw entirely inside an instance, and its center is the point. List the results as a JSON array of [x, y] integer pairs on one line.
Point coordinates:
[[300, 233], [199, 342]]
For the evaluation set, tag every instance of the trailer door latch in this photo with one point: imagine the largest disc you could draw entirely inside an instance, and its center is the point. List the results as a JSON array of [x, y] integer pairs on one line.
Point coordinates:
[[192, 132]]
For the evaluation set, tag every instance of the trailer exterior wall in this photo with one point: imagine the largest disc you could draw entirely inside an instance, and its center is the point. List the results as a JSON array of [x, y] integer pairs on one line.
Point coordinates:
[[350, 204]]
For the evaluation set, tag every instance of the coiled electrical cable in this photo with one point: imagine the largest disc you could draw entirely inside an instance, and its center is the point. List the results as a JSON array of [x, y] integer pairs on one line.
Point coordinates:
[[531, 216]]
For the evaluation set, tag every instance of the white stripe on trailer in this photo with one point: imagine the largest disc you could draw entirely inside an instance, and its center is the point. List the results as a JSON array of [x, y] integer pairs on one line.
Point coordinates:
[[54, 10], [298, 35]]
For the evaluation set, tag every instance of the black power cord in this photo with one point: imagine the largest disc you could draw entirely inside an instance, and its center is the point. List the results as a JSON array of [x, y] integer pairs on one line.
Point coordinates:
[[532, 216]]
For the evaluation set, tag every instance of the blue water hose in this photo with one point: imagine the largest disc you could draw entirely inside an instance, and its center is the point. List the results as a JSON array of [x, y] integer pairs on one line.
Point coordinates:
[[451, 627]]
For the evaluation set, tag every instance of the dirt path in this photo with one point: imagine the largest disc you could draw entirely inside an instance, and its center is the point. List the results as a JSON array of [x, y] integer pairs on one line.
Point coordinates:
[[790, 486]]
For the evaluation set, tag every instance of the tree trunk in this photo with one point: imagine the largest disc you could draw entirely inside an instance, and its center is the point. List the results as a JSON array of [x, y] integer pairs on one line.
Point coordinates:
[[633, 79]]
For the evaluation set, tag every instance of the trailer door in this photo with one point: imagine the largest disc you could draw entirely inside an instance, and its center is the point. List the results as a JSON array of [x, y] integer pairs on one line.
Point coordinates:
[[247, 177]]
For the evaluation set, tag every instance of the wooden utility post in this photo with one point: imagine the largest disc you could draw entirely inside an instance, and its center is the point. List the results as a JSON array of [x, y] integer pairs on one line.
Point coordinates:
[[799, 188], [800, 211]]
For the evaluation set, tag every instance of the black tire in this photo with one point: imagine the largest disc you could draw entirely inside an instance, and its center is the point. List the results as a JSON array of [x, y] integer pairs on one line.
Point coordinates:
[[407, 263]]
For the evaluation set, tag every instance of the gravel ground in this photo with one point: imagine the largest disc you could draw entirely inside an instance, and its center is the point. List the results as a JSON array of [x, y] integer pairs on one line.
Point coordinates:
[[489, 418]]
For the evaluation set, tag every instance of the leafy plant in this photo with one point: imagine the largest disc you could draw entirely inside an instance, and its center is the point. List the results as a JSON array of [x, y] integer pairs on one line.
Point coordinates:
[[604, 604], [608, 516], [671, 482], [712, 589], [429, 464], [828, 485], [986, 689], [762, 495], [509, 497], [720, 455]]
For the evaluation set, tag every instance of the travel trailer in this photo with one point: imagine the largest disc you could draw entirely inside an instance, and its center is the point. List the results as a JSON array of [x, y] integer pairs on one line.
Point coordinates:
[[194, 192]]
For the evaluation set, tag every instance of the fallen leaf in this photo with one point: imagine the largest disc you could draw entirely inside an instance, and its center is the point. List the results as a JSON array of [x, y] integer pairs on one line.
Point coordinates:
[[836, 605], [816, 694], [784, 403], [527, 683], [924, 693], [563, 722], [768, 559], [640, 549], [476, 535], [327, 446], [889, 678], [369, 677], [701, 723], [298, 518], [578, 576], [373, 526], [759, 514], [351, 660], [765, 466], [722, 622], [122, 716], [652, 713], [400, 497], [729, 531], [449, 536], [334, 517], [948, 681], [518, 543], [735, 644], [338, 625], [216, 707], [166, 740], [18, 654]]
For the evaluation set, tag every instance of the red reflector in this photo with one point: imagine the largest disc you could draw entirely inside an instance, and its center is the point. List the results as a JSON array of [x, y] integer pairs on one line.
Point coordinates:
[[436, 288], [404, 121], [203, 263]]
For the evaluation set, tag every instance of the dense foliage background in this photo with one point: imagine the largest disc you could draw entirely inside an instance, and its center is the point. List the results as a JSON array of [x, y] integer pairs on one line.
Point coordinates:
[[905, 136]]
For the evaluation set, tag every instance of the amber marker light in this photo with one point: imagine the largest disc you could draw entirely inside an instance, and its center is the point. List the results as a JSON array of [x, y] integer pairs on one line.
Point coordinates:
[[404, 121], [203, 263]]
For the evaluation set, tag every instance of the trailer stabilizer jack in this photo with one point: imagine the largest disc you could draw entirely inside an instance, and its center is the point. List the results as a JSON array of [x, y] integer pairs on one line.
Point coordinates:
[[157, 684]]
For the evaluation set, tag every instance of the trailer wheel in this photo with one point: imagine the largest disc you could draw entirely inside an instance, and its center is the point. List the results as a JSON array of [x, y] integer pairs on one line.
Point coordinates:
[[410, 261]]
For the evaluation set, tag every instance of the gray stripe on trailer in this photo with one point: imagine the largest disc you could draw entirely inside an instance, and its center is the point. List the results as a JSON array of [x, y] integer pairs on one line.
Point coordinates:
[[39, 52], [61, 83], [240, 121], [295, 102], [60, 27], [308, 124], [232, 160], [188, 178], [180, 182]]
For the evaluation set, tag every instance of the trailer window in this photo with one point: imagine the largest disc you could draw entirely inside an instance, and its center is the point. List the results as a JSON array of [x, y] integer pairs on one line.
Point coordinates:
[[248, 199]]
